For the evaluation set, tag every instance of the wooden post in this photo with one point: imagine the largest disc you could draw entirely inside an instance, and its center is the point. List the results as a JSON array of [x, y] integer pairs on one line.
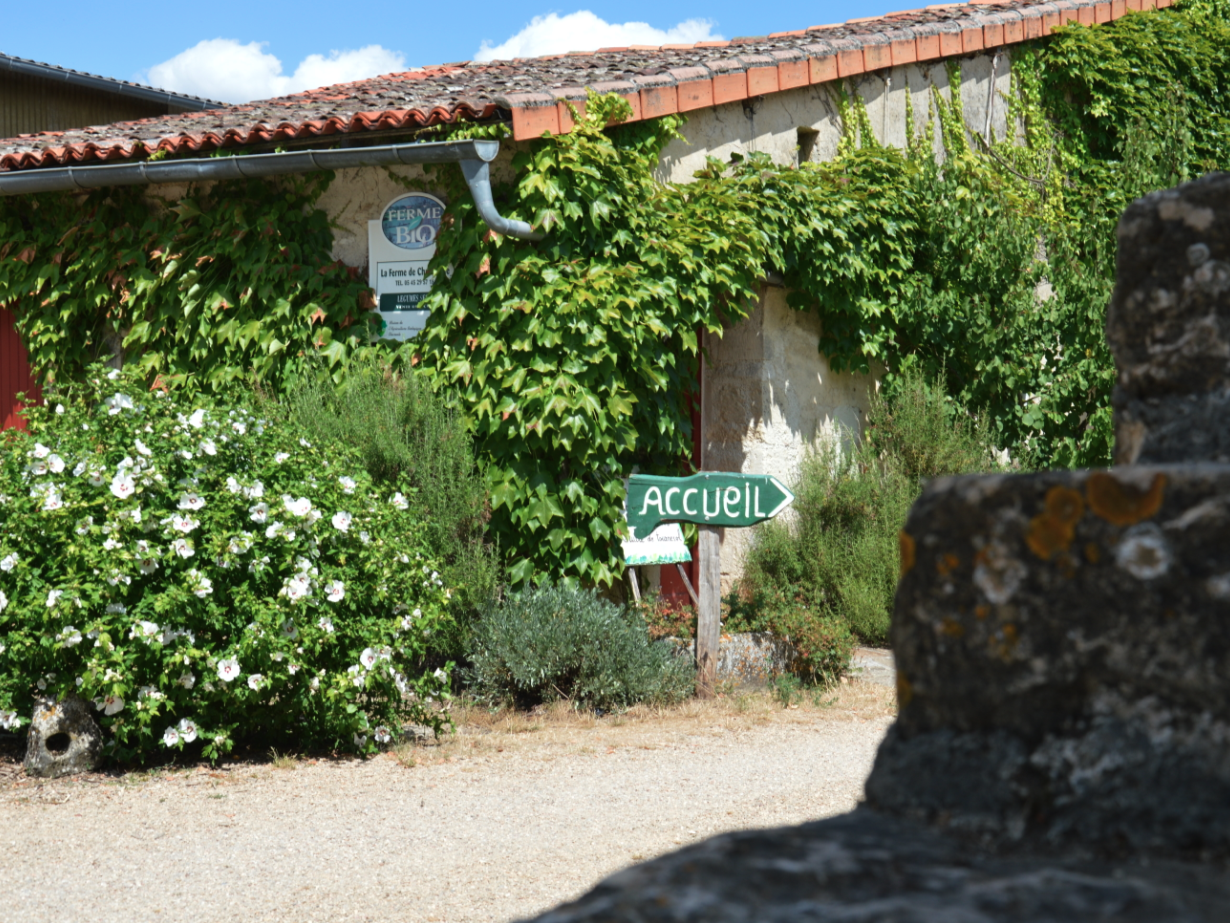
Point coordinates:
[[636, 589], [709, 611]]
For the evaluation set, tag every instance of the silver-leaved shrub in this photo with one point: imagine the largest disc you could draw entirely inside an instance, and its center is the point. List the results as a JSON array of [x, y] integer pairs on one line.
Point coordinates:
[[205, 575]]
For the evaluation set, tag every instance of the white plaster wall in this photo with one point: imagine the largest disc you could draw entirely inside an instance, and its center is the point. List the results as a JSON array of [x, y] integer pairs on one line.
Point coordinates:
[[771, 124], [769, 394]]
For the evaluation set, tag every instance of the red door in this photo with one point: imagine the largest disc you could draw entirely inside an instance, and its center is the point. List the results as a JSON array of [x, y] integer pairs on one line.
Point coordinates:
[[15, 374]]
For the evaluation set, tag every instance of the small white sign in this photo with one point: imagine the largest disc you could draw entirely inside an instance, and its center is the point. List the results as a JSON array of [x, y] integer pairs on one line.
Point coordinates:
[[664, 545], [400, 244]]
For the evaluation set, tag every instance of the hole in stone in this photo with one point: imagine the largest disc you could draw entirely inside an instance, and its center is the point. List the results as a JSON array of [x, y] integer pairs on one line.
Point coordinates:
[[58, 743], [807, 144]]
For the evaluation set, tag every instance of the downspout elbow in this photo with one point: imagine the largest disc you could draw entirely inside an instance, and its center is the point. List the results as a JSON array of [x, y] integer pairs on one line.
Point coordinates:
[[478, 178]]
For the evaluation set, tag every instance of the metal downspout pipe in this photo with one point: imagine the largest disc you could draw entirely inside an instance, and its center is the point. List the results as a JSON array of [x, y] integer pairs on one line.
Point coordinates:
[[473, 156]]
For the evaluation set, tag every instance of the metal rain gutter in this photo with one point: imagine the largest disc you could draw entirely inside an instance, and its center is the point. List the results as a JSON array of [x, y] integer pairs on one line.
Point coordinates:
[[473, 156]]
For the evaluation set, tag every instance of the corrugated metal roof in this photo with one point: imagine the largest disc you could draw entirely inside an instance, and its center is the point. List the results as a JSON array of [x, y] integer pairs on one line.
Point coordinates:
[[656, 80], [104, 84]]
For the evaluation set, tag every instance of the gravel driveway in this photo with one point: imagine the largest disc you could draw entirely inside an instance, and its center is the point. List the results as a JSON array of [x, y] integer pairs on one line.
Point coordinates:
[[499, 824]]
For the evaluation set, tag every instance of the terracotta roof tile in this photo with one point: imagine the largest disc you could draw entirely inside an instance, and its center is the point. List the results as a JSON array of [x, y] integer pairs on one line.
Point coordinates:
[[527, 92]]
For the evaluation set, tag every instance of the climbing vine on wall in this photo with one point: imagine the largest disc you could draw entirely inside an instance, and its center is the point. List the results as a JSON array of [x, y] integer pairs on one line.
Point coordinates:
[[991, 269], [573, 359], [226, 284]]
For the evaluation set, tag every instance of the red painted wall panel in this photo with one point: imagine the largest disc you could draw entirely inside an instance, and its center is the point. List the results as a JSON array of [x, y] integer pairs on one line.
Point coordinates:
[[15, 374]]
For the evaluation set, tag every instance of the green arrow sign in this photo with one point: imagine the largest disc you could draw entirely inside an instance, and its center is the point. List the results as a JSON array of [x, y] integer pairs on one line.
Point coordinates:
[[715, 498]]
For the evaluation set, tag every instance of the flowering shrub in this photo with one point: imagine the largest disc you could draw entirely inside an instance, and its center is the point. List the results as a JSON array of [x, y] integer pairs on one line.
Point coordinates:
[[206, 575]]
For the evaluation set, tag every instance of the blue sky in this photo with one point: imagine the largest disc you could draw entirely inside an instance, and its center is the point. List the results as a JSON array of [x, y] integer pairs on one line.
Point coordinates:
[[273, 47]]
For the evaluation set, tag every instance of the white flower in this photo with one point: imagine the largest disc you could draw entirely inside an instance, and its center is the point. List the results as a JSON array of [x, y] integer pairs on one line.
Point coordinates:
[[342, 520], [334, 591], [8, 562], [368, 658], [40, 450], [69, 636], [55, 463], [191, 501], [260, 512], [187, 679], [142, 448], [232, 485], [228, 669], [59, 408], [364, 537], [147, 630], [112, 705], [303, 442], [296, 588], [53, 597], [202, 586], [97, 478], [9, 720], [170, 737], [110, 544], [123, 486], [300, 507], [255, 492], [292, 668], [348, 484], [254, 681], [187, 730], [149, 692], [382, 735], [273, 530], [183, 547], [258, 564], [208, 447], [239, 427], [360, 741], [116, 609], [117, 403], [184, 523], [79, 469], [197, 419], [441, 676], [399, 501], [289, 630], [4, 604], [326, 624], [280, 457], [52, 502], [37, 468], [147, 565], [113, 375]]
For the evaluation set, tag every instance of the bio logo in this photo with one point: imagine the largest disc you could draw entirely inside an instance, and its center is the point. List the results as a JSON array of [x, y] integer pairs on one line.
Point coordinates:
[[413, 222]]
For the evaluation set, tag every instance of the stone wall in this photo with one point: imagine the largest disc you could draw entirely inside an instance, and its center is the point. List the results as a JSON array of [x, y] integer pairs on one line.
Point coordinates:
[[769, 394], [804, 124]]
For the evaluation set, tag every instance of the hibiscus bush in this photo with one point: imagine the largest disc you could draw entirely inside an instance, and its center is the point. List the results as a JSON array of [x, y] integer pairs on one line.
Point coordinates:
[[207, 576]]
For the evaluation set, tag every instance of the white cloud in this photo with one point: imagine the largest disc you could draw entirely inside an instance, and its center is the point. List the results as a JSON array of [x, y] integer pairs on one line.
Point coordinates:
[[224, 69], [583, 31]]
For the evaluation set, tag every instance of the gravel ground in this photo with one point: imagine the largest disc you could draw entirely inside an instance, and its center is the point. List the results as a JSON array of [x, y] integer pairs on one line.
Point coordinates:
[[510, 817]]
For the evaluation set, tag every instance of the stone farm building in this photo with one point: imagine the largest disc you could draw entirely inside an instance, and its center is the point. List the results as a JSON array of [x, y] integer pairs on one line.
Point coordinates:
[[767, 393]]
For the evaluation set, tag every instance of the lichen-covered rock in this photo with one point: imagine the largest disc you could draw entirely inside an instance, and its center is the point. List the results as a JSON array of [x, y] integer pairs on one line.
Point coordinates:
[[866, 868], [1169, 326], [1063, 654], [64, 739]]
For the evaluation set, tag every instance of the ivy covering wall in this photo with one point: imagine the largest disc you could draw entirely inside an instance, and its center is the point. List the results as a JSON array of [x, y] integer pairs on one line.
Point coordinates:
[[573, 358]]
